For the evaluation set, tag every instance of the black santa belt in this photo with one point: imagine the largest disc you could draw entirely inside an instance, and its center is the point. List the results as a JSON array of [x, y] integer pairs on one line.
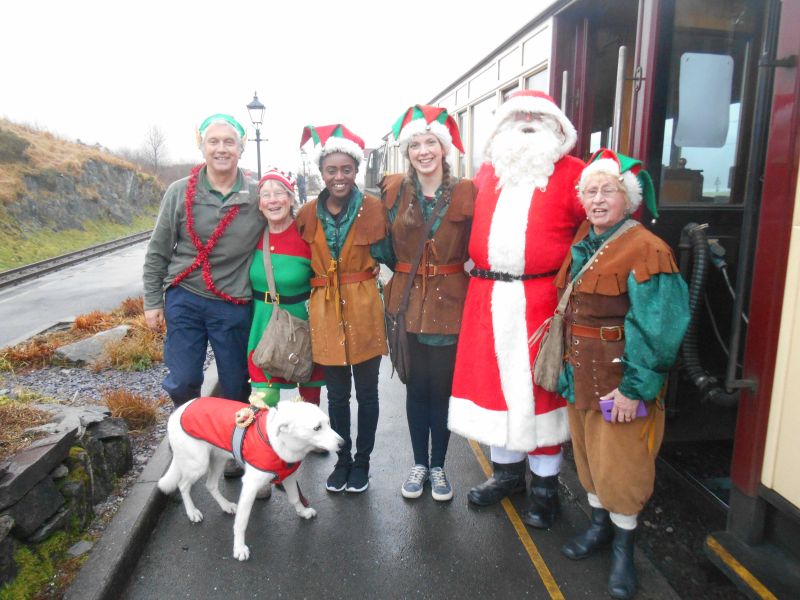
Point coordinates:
[[500, 276]]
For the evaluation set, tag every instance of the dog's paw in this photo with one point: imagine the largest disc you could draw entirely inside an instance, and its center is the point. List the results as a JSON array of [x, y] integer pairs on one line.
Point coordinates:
[[229, 507], [195, 516], [306, 512], [241, 553]]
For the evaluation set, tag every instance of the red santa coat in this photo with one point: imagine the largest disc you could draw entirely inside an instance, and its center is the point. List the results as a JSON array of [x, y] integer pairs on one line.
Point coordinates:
[[518, 230], [214, 419]]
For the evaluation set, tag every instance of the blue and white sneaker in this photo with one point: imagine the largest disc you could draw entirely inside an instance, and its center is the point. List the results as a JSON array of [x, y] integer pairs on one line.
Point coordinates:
[[412, 488], [440, 487]]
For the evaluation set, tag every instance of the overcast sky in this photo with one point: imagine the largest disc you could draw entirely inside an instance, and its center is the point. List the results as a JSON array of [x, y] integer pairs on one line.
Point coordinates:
[[107, 71]]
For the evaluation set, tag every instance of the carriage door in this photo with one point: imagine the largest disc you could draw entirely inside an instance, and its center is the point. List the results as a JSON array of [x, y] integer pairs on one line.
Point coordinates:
[[595, 74]]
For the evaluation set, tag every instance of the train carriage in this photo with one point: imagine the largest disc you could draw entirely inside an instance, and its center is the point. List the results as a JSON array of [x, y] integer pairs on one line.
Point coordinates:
[[706, 92]]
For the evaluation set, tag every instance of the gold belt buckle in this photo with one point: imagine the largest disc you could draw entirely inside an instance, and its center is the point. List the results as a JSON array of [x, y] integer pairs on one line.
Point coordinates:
[[268, 298]]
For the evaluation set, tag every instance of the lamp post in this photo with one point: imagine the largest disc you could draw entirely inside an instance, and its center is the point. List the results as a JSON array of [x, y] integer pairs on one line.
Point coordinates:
[[256, 111]]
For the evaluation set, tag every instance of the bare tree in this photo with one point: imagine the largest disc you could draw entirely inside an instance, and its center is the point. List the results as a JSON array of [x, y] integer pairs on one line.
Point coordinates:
[[155, 148]]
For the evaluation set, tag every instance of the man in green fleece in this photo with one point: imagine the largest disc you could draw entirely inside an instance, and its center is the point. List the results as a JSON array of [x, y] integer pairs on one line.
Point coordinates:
[[197, 263]]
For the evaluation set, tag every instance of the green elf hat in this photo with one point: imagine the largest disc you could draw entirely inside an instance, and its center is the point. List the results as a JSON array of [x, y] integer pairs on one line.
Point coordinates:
[[221, 118], [422, 118], [333, 138], [629, 171]]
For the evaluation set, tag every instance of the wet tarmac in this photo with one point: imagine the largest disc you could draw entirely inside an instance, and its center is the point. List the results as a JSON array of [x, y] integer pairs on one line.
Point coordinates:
[[375, 544], [98, 284]]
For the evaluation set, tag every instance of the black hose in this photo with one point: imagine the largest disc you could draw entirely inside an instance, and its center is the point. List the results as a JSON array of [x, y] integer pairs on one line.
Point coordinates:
[[693, 237]]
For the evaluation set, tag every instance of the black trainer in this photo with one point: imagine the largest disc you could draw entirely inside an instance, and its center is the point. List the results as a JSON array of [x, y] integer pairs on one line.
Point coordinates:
[[358, 481], [337, 480]]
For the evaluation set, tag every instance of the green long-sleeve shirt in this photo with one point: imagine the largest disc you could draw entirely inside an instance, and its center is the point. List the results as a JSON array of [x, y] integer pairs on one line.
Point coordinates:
[[654, 326]]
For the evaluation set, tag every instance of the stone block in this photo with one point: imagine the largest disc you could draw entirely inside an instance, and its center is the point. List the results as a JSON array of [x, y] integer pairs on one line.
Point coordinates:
[[100, 477], [58, 522], [8, 568], [89, 350], [35, 508], [31, 465]]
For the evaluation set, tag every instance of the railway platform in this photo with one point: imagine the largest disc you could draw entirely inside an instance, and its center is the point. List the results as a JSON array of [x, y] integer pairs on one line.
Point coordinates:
[[371, 545]]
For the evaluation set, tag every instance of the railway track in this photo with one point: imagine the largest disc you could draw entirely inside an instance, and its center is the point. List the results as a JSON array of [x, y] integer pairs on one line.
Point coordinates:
[[15, 276]]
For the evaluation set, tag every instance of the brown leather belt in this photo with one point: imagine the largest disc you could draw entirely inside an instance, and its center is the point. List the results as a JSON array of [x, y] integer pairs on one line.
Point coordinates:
[[344, 278], [607, 334], [430, 270]]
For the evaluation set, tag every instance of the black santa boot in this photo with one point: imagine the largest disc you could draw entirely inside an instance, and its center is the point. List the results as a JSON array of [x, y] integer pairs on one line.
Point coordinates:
[[598, 535], [622, 577], [543, 502], [507, 479]]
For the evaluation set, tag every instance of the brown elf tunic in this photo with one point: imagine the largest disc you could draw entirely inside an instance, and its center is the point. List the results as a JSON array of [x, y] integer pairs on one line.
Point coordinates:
[[614, 461], [346, 317], [436, 300]]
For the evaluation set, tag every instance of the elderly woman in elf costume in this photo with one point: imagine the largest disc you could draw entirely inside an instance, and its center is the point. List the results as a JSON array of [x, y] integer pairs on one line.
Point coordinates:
[[348, 335], [196, 266], [291, 266], [426, 135], [625, 318]]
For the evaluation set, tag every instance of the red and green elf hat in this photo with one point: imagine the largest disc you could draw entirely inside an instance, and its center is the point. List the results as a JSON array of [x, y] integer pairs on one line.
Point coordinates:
[[629, 171], [422, 118], [333, 138]]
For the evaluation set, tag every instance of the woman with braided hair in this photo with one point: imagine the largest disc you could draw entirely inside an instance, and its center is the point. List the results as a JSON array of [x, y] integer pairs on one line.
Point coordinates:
[[426, 135]]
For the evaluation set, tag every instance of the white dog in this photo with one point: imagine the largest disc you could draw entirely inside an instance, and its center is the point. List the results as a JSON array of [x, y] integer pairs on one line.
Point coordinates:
[[201, 436]]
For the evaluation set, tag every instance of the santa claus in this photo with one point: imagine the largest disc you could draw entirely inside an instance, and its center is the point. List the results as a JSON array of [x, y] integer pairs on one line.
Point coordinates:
[[526, 213]]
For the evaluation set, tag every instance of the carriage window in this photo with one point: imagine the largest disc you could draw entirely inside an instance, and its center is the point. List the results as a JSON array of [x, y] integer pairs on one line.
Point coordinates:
[[482, 120], [708, 99]]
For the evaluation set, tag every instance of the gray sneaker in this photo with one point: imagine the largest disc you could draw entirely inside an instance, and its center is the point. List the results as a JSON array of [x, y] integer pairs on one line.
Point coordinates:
[[440, 487], [412, 488]]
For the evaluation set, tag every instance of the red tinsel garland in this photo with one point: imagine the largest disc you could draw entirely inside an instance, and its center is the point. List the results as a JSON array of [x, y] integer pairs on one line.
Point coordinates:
[[204, 250]]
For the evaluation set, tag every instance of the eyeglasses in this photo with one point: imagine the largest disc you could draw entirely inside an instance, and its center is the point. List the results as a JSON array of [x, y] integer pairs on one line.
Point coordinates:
[[605, 192], [276, 195]]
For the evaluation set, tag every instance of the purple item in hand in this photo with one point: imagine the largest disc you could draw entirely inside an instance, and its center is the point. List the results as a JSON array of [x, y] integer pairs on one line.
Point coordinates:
[[607, 405]]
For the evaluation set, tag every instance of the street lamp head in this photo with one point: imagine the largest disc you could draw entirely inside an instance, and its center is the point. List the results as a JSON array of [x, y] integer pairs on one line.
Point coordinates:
[[256, 110]]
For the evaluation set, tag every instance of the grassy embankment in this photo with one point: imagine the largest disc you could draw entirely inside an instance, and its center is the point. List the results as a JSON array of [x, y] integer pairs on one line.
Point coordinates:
[[25, 151]]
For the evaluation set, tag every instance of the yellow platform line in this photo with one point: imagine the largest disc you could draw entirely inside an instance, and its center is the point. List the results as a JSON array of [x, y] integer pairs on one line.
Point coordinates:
[[741, 571], [522, 532]]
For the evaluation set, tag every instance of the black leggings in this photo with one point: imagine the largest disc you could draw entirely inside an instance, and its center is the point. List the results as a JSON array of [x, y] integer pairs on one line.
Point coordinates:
[[428, 398]]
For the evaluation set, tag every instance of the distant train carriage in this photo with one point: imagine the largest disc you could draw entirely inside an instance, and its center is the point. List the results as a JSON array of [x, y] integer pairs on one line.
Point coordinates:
[[706, 93]]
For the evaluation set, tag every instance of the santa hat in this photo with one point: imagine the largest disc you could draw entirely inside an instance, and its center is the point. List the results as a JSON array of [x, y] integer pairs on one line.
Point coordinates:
[[333, 138], [275, 174], [532, 101], [221, 118], [629, 171], [422, 118]]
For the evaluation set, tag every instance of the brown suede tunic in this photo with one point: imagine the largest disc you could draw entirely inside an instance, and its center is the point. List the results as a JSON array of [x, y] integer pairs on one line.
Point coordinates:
[[438, 310], [346, 320], [600, 299]]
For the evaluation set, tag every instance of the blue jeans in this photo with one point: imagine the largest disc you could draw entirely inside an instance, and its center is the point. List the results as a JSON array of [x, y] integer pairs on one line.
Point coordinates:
[[192, 322], [338, 380]]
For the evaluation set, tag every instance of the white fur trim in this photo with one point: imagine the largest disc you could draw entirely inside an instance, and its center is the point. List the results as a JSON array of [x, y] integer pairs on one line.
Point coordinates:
[[507, 240], [490, 427], [504, 456], [529, 104], [340, 144], [418, 126], [609, 166]]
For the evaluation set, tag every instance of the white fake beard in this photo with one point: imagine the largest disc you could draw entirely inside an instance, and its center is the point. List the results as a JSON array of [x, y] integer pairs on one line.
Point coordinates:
[[520, 158]]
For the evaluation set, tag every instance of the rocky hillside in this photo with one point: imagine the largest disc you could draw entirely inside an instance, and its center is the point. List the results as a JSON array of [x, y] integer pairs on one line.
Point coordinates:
[[77, 193]]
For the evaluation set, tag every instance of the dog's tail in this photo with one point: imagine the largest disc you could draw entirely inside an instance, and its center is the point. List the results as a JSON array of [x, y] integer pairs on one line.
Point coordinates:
[[169, 481]]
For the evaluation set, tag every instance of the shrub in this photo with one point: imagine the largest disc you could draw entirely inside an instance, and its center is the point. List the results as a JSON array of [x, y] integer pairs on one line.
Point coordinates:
[[131, 307], [34, 353], [12, 147], [138, 411], [94, 321], [17, 418], [137, 351]]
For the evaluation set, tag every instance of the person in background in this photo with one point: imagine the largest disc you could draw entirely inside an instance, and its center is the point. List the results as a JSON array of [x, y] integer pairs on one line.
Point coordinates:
[[348, 335], [623, 326], [426, 135], [291, 267], [526, 213], [196, 266]]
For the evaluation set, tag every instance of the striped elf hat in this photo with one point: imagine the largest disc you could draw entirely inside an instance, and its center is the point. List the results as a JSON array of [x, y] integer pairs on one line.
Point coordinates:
[[333, 138], [629, 171], [422, 118]]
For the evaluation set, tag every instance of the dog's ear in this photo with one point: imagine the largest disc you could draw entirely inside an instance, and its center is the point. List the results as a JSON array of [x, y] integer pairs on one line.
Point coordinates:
[[282, 428]]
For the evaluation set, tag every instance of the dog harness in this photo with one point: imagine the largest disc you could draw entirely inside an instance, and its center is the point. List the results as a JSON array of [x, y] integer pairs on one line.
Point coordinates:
[[213, 420]]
